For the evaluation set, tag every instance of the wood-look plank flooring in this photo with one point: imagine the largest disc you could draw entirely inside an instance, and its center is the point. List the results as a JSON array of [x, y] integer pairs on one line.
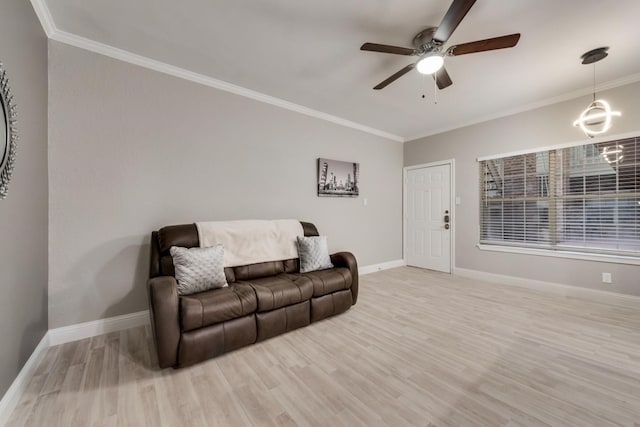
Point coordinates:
[[419, 349]]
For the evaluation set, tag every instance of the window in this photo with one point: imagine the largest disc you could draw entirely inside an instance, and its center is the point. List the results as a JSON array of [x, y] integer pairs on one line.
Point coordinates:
[[582, 198]]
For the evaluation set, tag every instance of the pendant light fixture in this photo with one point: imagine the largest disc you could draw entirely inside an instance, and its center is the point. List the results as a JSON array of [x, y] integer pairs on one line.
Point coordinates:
[[596, 118]]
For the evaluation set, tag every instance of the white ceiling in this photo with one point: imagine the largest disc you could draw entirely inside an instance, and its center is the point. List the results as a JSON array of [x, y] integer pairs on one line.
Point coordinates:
[[307, 52]]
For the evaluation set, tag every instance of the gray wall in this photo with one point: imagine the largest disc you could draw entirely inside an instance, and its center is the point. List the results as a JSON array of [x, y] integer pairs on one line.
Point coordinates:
[[23, 214], [542, 127], [132, 150]]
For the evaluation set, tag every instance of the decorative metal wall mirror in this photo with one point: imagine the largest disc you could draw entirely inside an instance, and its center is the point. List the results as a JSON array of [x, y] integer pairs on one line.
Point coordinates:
[[8, 135]]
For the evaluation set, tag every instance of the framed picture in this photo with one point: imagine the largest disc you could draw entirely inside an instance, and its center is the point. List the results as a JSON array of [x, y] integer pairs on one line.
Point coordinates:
[[338, 179]]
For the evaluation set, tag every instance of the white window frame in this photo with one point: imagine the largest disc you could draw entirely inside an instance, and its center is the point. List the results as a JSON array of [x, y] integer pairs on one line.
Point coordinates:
[[587, 256]]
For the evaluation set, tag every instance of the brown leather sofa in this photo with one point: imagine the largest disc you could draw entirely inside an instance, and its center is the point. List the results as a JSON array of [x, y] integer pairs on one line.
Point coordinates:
[[262, 300]]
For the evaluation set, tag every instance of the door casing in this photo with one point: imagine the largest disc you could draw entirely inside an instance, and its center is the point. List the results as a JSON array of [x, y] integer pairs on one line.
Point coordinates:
[[451, 163]]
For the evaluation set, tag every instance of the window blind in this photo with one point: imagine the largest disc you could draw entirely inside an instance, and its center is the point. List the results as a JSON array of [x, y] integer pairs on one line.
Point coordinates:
[[583, 198]]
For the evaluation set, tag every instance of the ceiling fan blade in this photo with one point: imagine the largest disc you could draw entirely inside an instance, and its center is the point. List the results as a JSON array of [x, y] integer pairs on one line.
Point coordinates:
[[384, 48], [483, 45], [442, 78], [452, 19], [394, 77]]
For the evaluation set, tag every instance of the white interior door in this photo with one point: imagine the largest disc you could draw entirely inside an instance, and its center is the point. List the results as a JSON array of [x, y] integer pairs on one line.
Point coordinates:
[[428, 217]]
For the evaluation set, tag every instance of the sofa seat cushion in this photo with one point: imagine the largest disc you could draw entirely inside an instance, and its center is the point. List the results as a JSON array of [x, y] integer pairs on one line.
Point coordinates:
[[329, 281], [217, 305], [281, 290]]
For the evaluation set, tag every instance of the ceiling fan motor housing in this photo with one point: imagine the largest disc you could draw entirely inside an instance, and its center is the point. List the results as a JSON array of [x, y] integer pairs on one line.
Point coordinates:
[[423, 41]]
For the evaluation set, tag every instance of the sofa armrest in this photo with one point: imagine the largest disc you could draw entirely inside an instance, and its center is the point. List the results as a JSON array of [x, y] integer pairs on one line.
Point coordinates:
[[165, 322], [347, 260]]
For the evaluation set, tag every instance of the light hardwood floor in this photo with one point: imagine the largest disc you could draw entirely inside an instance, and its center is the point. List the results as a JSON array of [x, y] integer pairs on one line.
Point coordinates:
[[419, 349]]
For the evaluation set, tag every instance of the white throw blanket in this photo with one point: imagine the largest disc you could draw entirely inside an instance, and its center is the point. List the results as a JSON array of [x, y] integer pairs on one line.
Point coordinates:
[[252, 241]]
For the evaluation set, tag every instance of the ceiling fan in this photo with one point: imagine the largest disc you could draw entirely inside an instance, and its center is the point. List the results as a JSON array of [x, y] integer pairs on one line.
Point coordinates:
[[429, 46]]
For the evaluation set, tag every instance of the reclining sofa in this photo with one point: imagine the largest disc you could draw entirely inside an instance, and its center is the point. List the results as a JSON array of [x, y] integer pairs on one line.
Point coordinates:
[[262, 300]]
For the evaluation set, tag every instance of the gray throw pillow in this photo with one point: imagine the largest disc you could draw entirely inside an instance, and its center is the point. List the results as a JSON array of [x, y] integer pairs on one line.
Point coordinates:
[[198, 269], [314, 253]]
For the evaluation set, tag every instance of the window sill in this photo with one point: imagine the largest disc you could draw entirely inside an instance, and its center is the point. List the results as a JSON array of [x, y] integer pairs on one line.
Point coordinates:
[[617, 259]]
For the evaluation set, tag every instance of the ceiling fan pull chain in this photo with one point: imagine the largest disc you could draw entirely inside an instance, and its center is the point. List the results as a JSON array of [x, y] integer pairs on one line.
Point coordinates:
[[435, 92], [424, 78]]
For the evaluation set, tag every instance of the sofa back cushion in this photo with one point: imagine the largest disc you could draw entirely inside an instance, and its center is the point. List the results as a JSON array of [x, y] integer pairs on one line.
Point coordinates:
[[291, 265], [183, 235], [186, 236], [261, 269]]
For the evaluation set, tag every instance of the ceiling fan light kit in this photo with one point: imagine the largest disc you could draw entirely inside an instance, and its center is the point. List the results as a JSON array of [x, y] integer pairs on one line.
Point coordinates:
[[596, 118], [430, 63], [428, 45]]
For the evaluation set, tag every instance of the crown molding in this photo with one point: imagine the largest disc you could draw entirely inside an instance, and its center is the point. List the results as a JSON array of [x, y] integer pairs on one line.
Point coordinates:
[[44, 15], [46, 20], [152, 64], [53, 33], [633, 78]]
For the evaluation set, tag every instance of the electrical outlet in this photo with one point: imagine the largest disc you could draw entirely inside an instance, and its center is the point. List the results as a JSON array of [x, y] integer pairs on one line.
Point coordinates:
[[606, 277]]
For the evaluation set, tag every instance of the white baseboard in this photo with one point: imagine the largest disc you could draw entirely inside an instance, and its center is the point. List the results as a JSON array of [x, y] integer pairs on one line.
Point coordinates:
[[94, 328], [97, 327], [19, 385], [61, 336], [557, 288], [368, 269]]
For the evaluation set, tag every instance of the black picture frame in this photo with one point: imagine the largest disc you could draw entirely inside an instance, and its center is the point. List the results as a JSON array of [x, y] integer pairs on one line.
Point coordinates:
[[338, 178]]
